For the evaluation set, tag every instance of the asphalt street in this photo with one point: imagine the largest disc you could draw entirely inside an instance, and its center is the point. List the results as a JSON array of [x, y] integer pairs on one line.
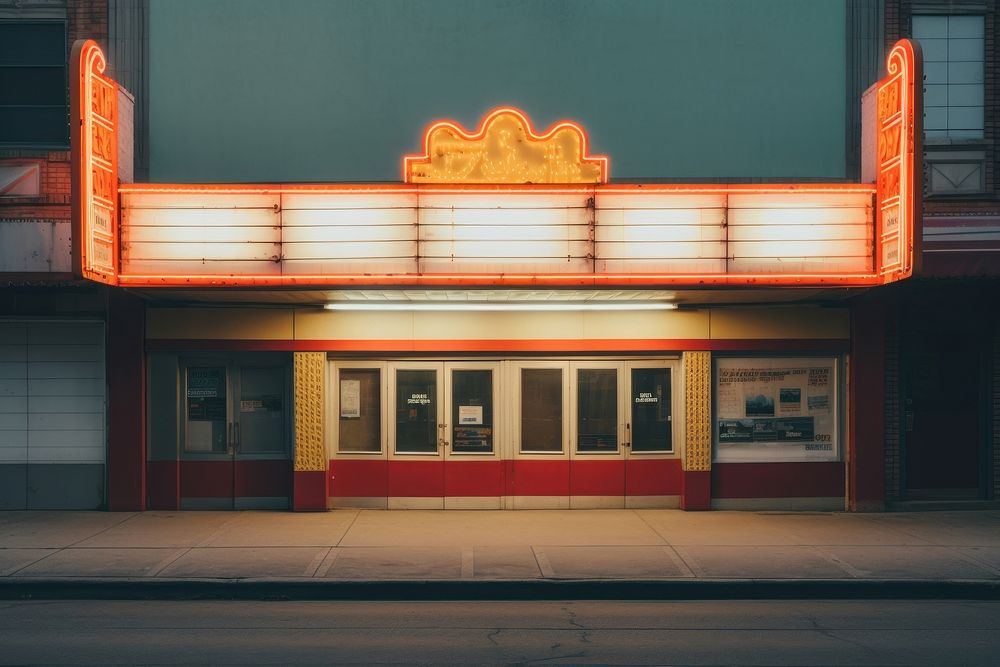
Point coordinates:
[[804, 632]]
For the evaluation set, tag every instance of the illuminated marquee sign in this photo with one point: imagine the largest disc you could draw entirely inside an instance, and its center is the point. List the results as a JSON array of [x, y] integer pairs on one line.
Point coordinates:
[[501, 206], [94, 142], [505, 149], [899, 182]]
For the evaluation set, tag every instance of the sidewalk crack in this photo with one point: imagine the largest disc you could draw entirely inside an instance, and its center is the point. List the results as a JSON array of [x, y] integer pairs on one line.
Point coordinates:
[[101, 532], [842, 564], [12, 572], [678, 560], [331, 557], [651, 526], [168, 561], [544, 566], [690, 563], [348, 529], [316, 563]]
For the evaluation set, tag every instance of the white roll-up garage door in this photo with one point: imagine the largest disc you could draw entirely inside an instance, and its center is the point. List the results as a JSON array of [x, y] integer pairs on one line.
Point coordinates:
[[52, 414]]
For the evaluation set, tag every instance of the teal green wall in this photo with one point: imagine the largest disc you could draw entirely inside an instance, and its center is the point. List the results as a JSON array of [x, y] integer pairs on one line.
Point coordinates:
[[339, 90]]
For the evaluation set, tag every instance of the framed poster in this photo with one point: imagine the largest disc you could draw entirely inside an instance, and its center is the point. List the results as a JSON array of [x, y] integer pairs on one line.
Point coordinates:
[[776, 409]]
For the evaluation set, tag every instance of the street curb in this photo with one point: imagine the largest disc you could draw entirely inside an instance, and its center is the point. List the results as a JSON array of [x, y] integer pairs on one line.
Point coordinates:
[[94, 588]]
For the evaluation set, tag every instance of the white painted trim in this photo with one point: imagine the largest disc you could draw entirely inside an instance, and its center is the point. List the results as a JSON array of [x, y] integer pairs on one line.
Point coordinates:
[[411, 503], [473, 503], [538, 502], [596, 502], [653, 502]]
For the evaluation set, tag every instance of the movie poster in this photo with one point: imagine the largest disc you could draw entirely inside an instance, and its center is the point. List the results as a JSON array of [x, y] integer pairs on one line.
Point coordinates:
[[776, 409]]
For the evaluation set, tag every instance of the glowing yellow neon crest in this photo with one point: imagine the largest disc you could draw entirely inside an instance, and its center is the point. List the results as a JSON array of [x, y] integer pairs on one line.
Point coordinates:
[[505, 149]]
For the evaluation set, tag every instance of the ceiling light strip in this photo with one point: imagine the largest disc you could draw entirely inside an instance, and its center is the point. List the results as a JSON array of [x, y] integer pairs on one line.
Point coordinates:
[[491, 307]]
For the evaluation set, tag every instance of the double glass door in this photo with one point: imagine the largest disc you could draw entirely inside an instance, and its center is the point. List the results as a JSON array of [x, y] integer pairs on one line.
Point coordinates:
[[445, 410], [549, 433], [443, 431], [622, 408], [236, 437], [610, 421]]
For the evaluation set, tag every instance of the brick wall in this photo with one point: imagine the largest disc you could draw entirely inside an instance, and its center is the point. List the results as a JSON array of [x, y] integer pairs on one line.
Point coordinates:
[[88, 19]]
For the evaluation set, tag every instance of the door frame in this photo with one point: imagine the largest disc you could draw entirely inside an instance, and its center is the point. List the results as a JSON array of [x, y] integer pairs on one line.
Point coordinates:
[[232, 365], [530, 479], [656, 459]]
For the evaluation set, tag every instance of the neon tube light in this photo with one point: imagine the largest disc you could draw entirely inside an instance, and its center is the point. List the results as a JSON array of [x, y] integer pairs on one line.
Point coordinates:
[[495, 307]]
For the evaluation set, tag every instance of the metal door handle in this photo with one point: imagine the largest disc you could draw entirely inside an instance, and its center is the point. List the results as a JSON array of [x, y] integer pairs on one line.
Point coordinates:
[[230, 444], [236, 439]]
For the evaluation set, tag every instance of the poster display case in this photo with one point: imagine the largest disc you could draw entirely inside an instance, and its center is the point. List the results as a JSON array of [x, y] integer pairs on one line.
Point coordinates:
[[776, 409]]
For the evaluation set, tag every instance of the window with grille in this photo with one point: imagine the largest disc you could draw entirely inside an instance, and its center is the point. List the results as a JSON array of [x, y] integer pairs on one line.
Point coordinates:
[[953, 48]]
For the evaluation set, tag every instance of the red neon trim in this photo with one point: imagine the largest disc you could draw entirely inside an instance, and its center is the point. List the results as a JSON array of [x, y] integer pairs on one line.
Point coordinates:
[[528, 280], [409, 160], [573, 345], [475, 188]]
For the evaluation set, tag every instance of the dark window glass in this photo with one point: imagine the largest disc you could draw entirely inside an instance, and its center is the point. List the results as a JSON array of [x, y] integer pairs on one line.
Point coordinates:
[[597, 410], [541, 410], [35, 43], [360, 410], [651, 410], [25, 86], [472, 411], [34, 125], [416, 412], [34, 105], [262, 411], [206, 409]]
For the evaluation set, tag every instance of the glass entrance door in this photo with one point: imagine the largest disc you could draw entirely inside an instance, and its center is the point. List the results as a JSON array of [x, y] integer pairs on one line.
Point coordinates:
[[473, 476], [415, 476], [262, 457], [443, 443], [235, 449], [622, 434], [652, 471], [597, 435]]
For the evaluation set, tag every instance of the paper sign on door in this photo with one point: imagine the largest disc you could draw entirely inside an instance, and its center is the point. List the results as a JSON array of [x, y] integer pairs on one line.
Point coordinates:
[[470, 414]]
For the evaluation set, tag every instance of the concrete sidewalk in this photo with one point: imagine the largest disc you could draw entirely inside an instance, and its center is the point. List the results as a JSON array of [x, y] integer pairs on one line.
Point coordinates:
[[579, 553]]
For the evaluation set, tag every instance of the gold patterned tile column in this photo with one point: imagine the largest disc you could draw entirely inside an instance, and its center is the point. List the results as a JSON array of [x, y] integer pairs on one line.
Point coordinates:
[[698, 410], [310, 375]]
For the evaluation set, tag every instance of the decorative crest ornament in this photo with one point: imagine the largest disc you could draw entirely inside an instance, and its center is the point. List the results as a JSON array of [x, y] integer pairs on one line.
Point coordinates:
[[505, 149]]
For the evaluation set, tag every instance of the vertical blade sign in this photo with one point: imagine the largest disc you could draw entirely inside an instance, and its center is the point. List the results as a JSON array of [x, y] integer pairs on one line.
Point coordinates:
[[899, 161], [94, 146]]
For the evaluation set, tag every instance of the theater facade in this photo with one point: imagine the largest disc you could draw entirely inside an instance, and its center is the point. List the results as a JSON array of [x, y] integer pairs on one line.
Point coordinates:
[[505, 328]]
